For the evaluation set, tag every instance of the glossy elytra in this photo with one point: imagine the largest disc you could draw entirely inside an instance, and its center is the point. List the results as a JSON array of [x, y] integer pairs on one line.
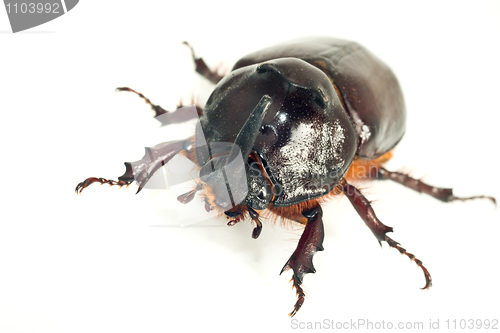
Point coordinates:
[[306, 118]]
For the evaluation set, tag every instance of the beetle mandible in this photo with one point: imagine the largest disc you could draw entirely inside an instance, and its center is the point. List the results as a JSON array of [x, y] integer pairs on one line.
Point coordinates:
[[306, 118]]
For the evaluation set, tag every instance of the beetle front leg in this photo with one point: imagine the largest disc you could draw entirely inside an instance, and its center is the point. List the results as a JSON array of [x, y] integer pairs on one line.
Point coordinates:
[[141, 171], [167, 117], [202, 68], [443, 194], [300, 261], [366, 212]]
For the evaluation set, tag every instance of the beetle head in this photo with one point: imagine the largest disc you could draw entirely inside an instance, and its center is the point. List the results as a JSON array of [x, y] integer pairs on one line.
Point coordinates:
[[305, 137]]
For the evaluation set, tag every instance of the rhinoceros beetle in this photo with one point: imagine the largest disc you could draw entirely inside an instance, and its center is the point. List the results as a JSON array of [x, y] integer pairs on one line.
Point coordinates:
[[304, 119]]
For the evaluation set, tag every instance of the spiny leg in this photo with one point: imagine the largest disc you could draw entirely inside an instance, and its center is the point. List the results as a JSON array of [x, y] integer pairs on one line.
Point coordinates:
[[300, 261], [141, 171], [366, 212], [202, 68], [167, 117], [443, 194]]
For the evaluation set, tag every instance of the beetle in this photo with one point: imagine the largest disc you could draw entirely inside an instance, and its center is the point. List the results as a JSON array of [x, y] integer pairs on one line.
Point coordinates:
[[302, 120]]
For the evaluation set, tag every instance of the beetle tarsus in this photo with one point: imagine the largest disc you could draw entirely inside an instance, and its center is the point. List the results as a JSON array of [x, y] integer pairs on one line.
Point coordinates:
[[300, 261], [202, 68], [442, 194], [166, 117], [454, 198], [396, 245], [300, 297], [156, 108], [82, 185], [366, 212]]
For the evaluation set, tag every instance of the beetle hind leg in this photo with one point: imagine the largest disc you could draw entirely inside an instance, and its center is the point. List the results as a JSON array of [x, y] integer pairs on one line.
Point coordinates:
[[366, 212], [300, 261], [443, 194]]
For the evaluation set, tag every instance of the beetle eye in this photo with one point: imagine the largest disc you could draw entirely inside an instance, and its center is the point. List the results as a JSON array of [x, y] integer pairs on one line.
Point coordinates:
[[265, 130]]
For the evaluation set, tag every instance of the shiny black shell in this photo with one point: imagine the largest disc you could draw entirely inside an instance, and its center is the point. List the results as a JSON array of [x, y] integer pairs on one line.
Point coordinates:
[[332, 100], [367, 86]]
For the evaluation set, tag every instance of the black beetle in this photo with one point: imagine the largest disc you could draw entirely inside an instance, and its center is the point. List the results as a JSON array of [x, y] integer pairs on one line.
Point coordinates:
[[303, 120]]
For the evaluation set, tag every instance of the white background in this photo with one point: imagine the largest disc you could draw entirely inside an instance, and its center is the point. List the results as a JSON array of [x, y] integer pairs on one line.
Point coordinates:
[[110, 261]]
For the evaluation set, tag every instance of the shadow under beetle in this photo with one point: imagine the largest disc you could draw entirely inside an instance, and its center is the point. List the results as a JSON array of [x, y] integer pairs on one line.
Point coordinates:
[[307, 118]]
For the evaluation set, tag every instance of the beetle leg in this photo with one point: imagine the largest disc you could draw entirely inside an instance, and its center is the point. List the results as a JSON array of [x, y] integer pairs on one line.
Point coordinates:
[[202, 68], [366, 212], [167, 117], [141, 171], [443, 194], [300, 261]]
